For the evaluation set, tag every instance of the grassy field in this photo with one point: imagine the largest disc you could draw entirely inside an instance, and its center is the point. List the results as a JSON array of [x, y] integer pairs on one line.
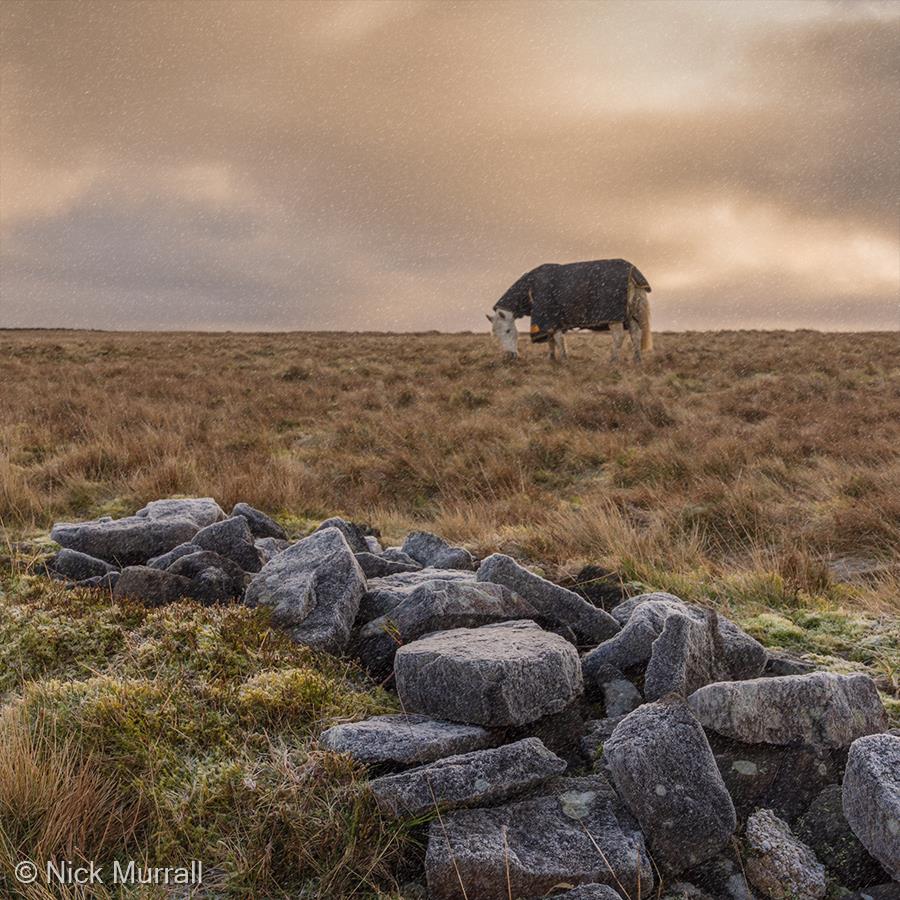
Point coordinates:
[[741, 470]]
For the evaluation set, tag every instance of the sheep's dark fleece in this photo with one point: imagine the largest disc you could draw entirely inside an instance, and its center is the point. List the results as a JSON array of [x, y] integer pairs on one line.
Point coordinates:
[[572, 295]]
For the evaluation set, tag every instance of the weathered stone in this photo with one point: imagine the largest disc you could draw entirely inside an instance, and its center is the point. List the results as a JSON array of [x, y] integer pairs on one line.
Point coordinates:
[[230, 538], [664, 769], [478, 778], [780, 664], [597, 733], [600, 587], [404, 739], [166, 559], [553, 603], [435, 606], [431, 550], [779, 865], [353, 533], [202, 511], [76, 566], [722, 877], [821, 709], [574, 832], [784, 779], [586, 892], [124, 542], [683, 890], [510, 673], [314, 588], [261, 525], [269, 547], [384, 594], [98, 582], [395, 554], [620, 697], [644, 618], [871, 797], [824, 828], [153, 587], [213, 577], [686, 655], [377, 566], [878, 892], [373, 544]]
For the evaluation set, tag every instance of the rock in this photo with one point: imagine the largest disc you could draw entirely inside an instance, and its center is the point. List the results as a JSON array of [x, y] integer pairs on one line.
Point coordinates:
[[231, 538], [435, 606], [404, 739], [166, 559], [124, 542], [664, 769], [373, 544], [599, 586], [824, 829], [269, 547], [98, 582], [510, 673], [153, 587], [261, 525], [871, 797], [784, 779], [77, 566], [574, 831], [430, 550], [644, 619], [722, 877], [587, 892], [597, 733], [385, 593], [377, 566], [213, 577], [821, 709], [878, 892], [353, 533], [314, 588], [202, 511], [395, 554], [620, 697], [779, 664], [686, 655], [779, 865], [478, 778], [553, 603]]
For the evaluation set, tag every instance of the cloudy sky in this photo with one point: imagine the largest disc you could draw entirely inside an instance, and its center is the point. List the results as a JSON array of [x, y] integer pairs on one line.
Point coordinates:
[[392, 165]]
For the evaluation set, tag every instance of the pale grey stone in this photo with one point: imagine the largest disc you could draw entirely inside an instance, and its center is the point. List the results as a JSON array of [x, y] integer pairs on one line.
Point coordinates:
[[214, 578], [510, 673], [586, 892], [478, 778], [152, 587], [269, 547], [354, 535], [620, 697], [314, 588], [233, 539], [261, 525], [166, 559], [529, 847], [431, 550], [395, 554], [665, 771], [76, 566], [780, 865], [404, 739], [435, 606], [553, 603], [871, 797], [124, 542], [821, 709], [373, 544], [375, 566], [202, 511], [385, 593]]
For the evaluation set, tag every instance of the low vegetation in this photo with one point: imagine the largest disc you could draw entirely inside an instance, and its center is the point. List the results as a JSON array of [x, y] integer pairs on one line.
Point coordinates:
[[745, 470]]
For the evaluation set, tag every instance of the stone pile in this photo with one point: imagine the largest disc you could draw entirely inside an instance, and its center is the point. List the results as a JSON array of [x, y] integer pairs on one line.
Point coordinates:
[[556, 747]]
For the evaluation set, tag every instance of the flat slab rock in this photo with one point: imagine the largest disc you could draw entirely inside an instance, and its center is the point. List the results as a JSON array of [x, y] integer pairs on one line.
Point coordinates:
[[478, 778], [435, 606], [124, 542], [664, 769], [202, 511], [553, 603], [510, 673], [528, 847], [871, 797], [430, 550], [404, 739], [314, 588], [384, 593], [821, 709], [780, 865]]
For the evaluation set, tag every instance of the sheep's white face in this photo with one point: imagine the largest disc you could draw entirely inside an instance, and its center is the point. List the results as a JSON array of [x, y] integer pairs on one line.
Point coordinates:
[[503, 325]]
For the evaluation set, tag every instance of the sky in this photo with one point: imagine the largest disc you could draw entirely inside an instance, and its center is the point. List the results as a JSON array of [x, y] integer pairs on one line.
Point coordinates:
[[396, 166]]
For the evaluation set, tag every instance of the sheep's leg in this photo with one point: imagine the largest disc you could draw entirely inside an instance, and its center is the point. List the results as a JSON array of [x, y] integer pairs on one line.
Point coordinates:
[[552, 347], [634, 331], [617, 330], [560, 349]]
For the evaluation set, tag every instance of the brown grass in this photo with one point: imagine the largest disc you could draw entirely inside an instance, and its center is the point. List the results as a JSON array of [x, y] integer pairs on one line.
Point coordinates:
[[726, 448]]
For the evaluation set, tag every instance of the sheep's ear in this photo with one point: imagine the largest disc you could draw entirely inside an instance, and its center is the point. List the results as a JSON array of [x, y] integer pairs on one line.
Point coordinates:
[[489, 317]]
